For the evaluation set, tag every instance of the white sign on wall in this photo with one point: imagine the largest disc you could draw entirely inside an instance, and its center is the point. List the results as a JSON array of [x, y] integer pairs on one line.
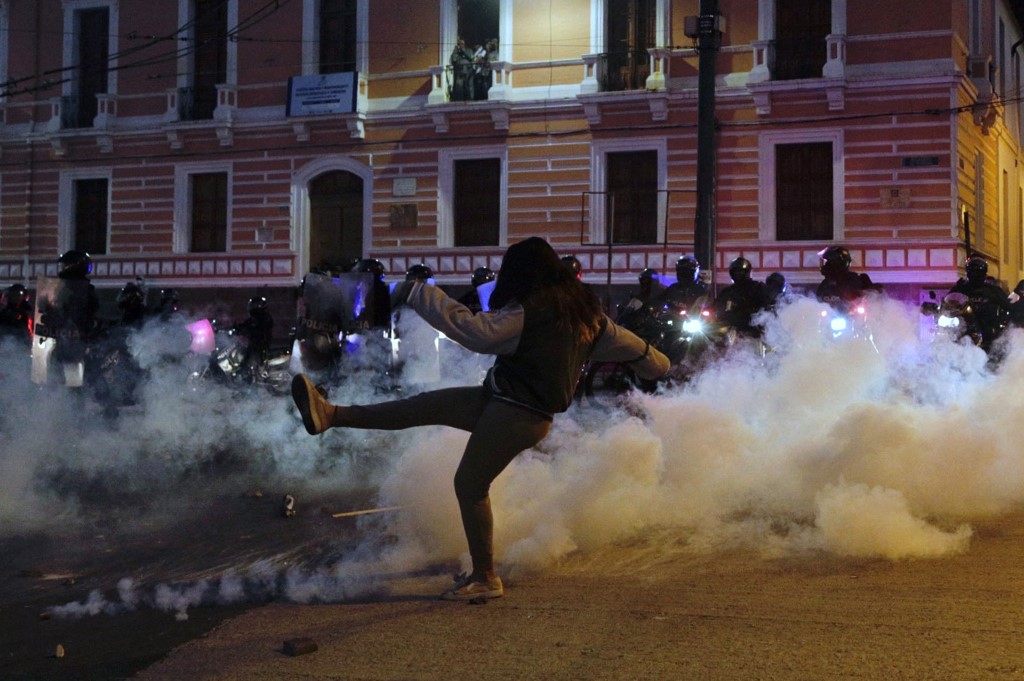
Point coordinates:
[[327, 93]]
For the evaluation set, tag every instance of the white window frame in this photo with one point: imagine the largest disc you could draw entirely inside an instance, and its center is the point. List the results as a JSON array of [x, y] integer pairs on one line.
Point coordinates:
[[766, 187], [70, 43], [186, 63], [311, 37], [300, 201], [599, 150], [182, 236], [66, 203], [446, 159]]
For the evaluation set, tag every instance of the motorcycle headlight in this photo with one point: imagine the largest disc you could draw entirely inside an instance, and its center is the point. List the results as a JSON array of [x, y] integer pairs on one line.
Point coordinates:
[[948, 322], [838, 324], [693, 326]]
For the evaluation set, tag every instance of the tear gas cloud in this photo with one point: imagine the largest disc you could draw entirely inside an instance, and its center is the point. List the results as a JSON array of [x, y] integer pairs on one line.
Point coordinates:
[[888, 446]]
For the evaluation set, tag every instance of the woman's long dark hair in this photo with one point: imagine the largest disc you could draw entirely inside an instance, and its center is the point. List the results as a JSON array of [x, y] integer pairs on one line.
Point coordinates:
[[532, 271]]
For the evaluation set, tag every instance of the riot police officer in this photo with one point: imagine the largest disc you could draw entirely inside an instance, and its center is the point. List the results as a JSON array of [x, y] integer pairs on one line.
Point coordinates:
[[471, 299], [737, 304], [688, 288], [257, 329], [169, 304], [378, 315], [574, 265], [69, 316], [15, 314], [990, 304], [131, 301], [841, 287]]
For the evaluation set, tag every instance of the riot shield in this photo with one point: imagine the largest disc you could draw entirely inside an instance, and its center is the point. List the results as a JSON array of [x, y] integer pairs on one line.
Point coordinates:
[[62, 324]]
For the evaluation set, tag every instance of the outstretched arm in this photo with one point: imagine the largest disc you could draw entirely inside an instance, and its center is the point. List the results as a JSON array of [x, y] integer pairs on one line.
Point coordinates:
[[489, 333], [618, 344]]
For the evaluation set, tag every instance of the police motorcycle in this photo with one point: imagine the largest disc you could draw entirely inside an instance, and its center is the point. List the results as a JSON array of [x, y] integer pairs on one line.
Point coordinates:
[[955, 319], [241, 357], [846, 321], [111, 369]]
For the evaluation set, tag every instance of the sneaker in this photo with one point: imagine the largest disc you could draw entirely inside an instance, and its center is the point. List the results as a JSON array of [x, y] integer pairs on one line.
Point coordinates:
[[314, 409], [466, 589]]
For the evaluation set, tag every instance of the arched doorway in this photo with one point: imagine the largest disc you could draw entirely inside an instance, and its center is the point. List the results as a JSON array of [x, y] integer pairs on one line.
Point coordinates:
[[335, 218]]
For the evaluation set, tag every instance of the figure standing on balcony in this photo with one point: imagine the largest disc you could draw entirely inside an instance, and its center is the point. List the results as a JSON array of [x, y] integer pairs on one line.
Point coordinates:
[[481, 71], [461, 63]]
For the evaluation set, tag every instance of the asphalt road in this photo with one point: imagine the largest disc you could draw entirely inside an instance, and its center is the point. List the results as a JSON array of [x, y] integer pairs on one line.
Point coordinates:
[[47, 579], [687, 616], [651, 608]]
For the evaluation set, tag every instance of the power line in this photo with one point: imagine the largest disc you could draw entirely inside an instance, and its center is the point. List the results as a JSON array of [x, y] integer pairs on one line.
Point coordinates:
[[250, 21]]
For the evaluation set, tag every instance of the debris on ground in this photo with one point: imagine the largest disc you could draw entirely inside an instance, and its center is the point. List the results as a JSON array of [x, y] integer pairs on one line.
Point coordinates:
[[299, 646], [288, 508]]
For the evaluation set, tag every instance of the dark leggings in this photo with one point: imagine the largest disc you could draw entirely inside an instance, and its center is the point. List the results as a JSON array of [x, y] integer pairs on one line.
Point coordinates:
[[498, 432]]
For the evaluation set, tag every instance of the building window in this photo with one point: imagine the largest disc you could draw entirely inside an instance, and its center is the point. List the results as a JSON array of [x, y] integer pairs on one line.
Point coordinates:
[[631, 196], [476, 202], [209, 60], [628, 201], [478, 22], [800, 31], [629, 30], [209, 212], [91, 47], [1001, 50], [338, 37], [472, 196], [803, 192], [91, 197]]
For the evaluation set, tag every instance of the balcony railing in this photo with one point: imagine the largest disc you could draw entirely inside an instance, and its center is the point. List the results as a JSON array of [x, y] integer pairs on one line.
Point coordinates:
[[196, 103], [618, 71]]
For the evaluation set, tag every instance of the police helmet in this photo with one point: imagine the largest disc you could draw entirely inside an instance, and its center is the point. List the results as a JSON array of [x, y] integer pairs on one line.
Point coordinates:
[[776, 283], [374, 267], [130, 296], [647, 274], [257, 304], [482, 275], [834, 260], [74, 264], [419, 272], [739, 269], [976, 268], [574, 265], [687, 269]]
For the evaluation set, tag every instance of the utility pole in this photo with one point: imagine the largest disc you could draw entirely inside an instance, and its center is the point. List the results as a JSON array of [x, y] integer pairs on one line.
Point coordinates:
[[709, 38]]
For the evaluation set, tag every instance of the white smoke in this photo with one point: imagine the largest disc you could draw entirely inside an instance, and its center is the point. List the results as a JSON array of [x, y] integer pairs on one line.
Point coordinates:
[[886, 445]]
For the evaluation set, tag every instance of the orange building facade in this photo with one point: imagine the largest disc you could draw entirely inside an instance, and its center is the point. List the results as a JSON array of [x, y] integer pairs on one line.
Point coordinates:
[[237, 143]]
